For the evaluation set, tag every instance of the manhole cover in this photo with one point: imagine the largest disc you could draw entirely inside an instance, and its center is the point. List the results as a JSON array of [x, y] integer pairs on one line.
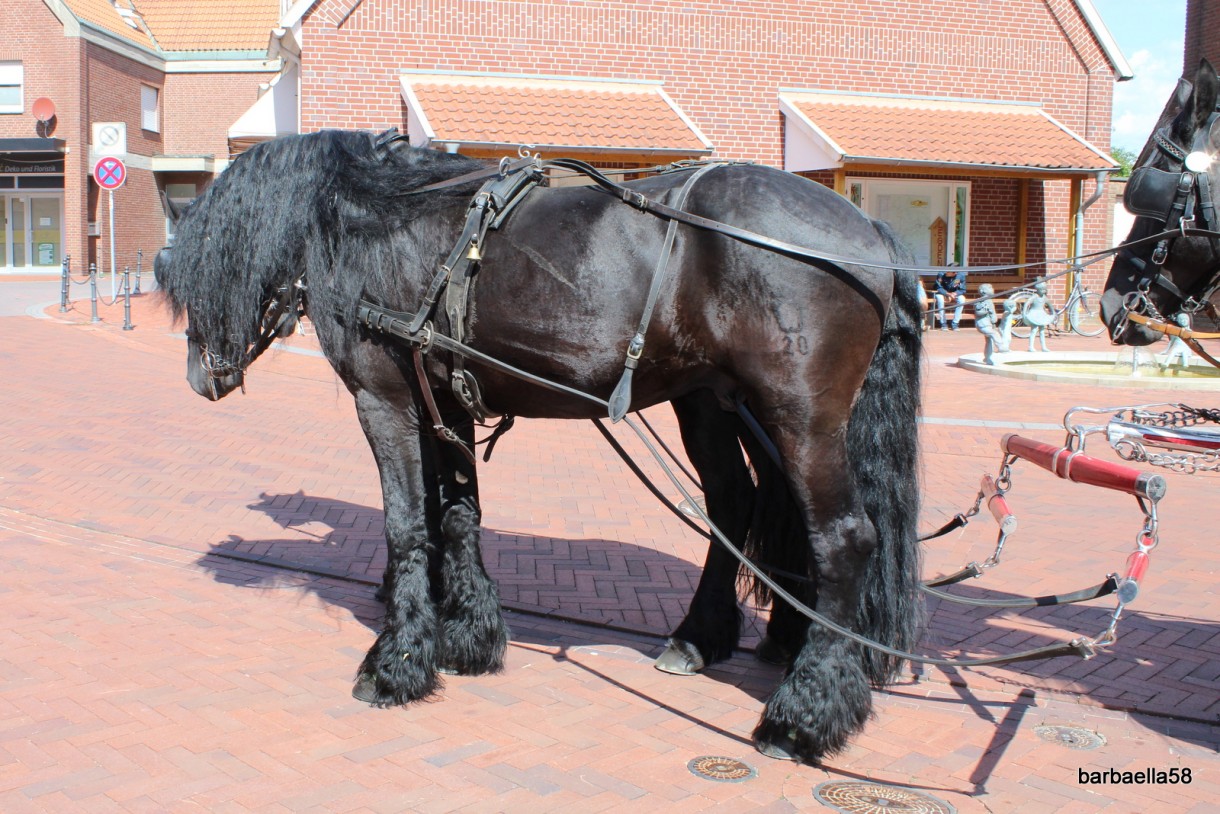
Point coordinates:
[[723, 769], [690, 510], [874, 798], [1073, 737]]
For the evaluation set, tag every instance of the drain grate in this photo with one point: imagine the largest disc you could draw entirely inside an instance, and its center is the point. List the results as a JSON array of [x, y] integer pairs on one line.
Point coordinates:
[[1073, 737], [722, 769], [874, 798]]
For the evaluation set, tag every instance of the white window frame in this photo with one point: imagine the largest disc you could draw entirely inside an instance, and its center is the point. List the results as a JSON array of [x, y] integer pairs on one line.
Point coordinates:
[[150, 108], [951, 251], [12, 75]]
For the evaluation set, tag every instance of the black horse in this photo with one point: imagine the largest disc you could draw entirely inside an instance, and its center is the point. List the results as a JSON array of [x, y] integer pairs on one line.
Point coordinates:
[[1173, 191], [826, 356]]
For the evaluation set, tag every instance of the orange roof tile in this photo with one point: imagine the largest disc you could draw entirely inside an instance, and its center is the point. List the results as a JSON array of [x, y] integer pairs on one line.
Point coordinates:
[[184, 25], [104, 15], [571, 114], [211, 25], [940, 132]]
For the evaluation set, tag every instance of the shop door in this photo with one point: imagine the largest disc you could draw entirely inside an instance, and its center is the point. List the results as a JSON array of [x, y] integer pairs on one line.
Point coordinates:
[[32, 232]]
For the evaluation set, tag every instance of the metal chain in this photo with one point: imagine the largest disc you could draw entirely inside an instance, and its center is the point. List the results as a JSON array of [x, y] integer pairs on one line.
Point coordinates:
[[1184, 462]]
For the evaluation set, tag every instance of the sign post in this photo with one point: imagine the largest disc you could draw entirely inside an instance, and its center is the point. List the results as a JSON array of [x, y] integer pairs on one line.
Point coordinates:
[[110, 173]]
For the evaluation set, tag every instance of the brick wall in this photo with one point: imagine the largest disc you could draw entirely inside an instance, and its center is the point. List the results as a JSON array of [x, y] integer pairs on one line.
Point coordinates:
[[724, 61], [112, 88], [34, 36], [1202, 34], [199, 109]]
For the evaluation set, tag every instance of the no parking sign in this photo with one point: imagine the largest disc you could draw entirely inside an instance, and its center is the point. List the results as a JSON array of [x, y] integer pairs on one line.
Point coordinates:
[[110, 172]]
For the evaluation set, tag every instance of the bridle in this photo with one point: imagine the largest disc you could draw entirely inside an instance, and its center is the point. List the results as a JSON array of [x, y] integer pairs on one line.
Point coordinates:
[[278, 312], [1183, 201]]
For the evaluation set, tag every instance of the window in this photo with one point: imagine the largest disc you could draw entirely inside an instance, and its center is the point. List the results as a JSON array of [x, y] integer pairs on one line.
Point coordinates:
[[12, 78], [149, 120]]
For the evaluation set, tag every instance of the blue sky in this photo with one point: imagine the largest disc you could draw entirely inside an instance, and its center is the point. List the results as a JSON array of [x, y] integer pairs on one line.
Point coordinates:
[[1150, 34]]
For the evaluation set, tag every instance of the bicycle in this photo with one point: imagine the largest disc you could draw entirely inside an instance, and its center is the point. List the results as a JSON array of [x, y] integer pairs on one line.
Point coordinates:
[[1082, 311]]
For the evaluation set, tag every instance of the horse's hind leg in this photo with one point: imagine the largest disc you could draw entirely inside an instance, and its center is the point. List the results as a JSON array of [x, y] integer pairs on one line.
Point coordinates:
[[712, 625], [401, 665], [825, 696], [473, 634]]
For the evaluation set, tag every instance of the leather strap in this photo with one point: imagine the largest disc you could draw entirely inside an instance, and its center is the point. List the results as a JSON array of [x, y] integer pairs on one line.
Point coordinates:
[[1172, 330], [620, 399]]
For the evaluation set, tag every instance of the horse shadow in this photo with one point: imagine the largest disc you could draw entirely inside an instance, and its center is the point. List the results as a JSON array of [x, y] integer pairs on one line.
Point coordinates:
[[337, 553]]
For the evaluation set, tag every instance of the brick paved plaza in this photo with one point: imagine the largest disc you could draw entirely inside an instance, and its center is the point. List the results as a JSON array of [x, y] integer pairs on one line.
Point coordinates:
[[187, 590]]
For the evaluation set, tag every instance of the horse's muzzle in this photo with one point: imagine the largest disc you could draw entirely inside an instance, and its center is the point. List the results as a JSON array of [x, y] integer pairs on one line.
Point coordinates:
[[1122, 331], [210, 384]]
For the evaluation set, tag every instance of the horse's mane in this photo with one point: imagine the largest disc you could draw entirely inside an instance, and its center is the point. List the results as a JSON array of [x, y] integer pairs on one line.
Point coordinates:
[[285, 210]]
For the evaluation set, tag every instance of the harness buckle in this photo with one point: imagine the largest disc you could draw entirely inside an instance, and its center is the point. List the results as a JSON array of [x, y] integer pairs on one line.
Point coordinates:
[[1161, 253]]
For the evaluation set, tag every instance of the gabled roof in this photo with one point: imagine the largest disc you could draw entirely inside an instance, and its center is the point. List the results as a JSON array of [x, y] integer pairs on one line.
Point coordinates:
[[936, 133], [503, 111], [105, 15], [211, 25], [175, 26]]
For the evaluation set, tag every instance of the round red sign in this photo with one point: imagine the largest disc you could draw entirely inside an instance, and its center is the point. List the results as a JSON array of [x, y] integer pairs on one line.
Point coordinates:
[[109, 172]]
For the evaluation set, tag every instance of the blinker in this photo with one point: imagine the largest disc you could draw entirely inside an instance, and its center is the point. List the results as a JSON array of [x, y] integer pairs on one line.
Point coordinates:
[[1198, 161]]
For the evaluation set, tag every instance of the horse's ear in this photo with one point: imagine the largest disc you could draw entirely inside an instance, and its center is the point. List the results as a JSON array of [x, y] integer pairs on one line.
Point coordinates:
[[1207, 92], [1202, 102], [167, 205]]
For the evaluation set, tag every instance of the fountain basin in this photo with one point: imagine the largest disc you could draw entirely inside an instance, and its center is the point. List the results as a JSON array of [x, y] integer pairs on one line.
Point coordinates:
[[1096, 368]]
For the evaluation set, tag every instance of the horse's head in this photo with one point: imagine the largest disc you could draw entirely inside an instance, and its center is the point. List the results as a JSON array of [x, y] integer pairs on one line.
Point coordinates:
[[1173, 193], [229, 274], [218, 353]]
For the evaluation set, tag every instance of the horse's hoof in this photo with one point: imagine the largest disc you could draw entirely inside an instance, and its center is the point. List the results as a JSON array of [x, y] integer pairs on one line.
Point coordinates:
[[680, 658], [784, 750], [365, 689], [772, 652]]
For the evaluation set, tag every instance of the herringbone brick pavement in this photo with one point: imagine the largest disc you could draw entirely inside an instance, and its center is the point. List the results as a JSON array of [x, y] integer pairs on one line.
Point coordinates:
[[188, 589]]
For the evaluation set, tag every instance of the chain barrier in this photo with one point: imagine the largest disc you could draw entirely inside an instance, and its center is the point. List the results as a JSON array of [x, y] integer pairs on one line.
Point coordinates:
[[124, 293]]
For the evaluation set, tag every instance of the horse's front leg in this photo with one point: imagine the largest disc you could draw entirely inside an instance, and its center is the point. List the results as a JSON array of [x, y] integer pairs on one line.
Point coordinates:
[[474, 637], [401, 666]]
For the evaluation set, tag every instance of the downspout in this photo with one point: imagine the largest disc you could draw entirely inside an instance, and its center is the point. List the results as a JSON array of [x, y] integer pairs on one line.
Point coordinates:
[[1078, 226]]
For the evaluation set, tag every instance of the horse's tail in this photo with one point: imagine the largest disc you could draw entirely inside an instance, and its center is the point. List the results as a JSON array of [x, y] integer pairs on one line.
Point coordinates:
[[882, 448], [882, 443]]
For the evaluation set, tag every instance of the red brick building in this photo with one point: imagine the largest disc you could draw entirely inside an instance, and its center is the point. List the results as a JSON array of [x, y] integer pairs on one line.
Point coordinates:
[[156, 83], [992, 119], [1202, 34], [977, 128]]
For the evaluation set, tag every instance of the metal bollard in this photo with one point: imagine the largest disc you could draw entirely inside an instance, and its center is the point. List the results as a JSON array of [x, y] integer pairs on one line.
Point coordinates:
[[139, 265], [63, 285], [127, 298], [93, 291]]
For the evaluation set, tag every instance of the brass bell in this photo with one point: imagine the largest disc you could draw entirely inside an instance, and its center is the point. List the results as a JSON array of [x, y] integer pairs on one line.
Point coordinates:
[[474, 254]]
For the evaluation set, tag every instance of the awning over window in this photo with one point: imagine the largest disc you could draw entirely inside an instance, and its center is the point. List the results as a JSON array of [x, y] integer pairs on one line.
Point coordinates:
[[31, 145], [826, 130], [274, 113], [494, 112]]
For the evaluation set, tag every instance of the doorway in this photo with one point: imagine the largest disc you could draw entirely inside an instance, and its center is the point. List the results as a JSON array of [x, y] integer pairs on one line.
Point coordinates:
[[32, 231]]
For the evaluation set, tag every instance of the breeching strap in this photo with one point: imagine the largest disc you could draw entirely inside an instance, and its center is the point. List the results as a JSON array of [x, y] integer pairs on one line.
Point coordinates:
[[620, 399]]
